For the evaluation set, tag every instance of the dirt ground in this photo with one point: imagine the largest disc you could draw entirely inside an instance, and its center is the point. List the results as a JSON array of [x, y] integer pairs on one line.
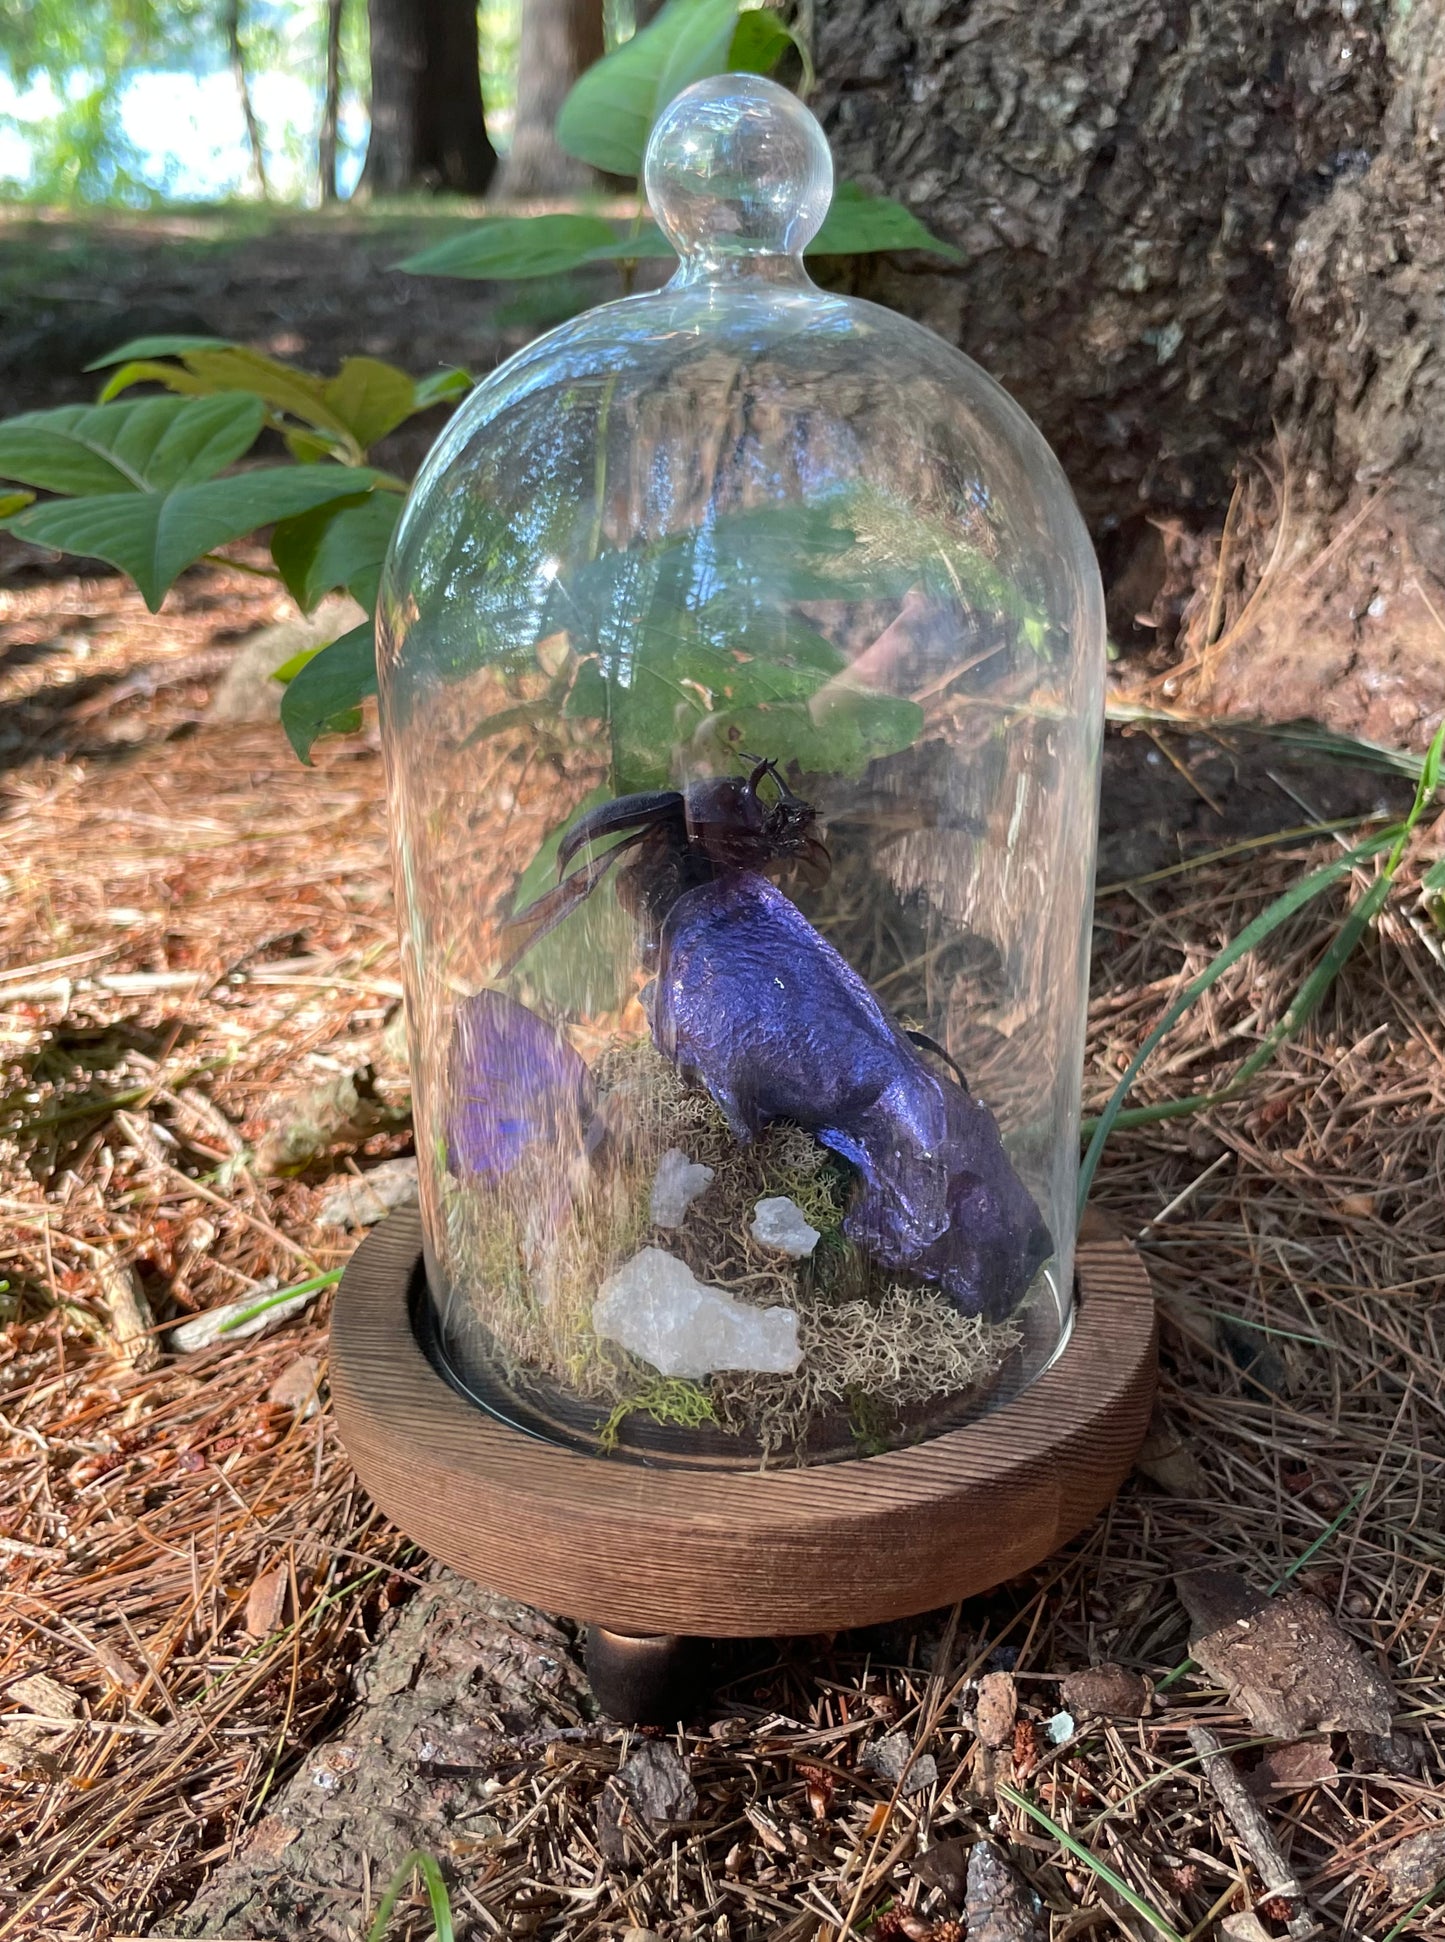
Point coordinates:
[[198, 987]]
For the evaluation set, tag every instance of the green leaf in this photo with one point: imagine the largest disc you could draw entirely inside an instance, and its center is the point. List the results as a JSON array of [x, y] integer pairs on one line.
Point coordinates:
[[839, 732], [760, 40], [13, 502], [858, 224], [175, 377], [369, 398], [608, 116], [584, 964], [515, 246], [143, 443], [154, 536], [342, 544], [442, 388], [436, 1888], [325, 695], [158, 347]]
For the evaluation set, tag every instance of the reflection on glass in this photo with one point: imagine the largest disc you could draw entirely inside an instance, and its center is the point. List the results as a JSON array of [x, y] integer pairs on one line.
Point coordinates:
[[742, 691]]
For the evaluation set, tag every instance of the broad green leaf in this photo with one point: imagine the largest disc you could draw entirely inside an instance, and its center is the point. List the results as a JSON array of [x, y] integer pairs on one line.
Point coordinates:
[[338, 545], [154, 536], [144, 370], [839, 732], [760, 40], [233, 368], [329, 689], [310, 448], [858, 223], [143, 443], [509, 247], [608, 116], [442, 388], [516, 246], [370, 398], [164, 346], [583, 965]]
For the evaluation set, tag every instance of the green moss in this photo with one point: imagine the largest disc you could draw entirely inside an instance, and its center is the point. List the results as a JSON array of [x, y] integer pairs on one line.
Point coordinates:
[[667, 1399], [872, 1423]]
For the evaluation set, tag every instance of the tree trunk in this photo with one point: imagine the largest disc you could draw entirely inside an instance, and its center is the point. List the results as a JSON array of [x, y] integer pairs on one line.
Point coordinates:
[[331, 104], [428, 129], [232, 22], [559, 39], [1206, 251]]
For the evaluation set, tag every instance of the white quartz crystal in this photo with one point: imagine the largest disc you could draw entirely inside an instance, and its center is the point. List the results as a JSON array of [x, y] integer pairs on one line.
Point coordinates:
[[678, 1183], [779, 1223], [655, 1306]]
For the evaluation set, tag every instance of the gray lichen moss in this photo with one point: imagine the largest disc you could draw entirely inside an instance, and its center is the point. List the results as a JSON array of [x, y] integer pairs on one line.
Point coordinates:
[[875, 1345]]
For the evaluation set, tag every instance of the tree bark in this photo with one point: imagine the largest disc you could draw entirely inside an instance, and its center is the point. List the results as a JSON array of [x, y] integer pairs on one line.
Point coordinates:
[[428, 128], [232, 21], [1206, 251], [560, 38], [331, 104]]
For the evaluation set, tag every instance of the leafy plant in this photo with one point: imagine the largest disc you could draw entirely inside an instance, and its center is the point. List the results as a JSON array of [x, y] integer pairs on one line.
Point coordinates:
[[606, 121], [144, 484]]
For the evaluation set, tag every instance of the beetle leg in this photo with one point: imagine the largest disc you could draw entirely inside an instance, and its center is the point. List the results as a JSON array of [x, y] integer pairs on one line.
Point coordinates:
[[624, 812], [546, 912]]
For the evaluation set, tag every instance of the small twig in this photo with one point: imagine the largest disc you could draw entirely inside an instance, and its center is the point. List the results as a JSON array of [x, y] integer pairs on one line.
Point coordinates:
[[1252, 1828]]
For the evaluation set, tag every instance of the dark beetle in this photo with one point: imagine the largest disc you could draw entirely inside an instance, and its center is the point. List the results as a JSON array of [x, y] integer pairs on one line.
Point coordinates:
[[674, 841]]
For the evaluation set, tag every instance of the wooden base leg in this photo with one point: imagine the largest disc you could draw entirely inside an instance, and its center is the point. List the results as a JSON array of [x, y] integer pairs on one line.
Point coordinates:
[[645, 1679]]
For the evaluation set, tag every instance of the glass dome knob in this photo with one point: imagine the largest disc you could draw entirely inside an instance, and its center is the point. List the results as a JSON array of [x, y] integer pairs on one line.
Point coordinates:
[[737, 168]]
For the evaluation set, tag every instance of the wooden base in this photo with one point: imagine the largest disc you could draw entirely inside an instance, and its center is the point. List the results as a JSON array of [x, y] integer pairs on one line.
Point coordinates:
[[713, 1554]]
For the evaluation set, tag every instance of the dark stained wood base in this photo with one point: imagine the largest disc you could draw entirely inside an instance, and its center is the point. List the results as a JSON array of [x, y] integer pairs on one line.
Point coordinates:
[[727, 1554]]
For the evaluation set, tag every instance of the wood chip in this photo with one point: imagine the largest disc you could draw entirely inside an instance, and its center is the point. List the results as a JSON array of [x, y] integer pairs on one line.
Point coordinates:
[[266, 1601], [1292, 1768], [1288, 1666], [996, 1708], [131, 1320], [945, 1867], [1166, 1459], [1108, 1691], [1414, 1867], [297, 1387], [39, 1693]]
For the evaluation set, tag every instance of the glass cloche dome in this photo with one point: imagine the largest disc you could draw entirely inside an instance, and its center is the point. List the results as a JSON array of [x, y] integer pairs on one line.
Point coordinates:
[[742, 661]]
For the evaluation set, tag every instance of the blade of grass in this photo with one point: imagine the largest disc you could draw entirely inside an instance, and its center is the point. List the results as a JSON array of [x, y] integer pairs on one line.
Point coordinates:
[[1092, 1862], [274, 1300], [1268, 921], [1277, 838], [1395, 839], [436, 1888]]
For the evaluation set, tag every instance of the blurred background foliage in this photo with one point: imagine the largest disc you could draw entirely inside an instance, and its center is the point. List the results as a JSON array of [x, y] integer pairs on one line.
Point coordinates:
[[141, 103]]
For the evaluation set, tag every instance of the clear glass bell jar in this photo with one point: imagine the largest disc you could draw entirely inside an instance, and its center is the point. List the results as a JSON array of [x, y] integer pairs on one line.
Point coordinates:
[[741, 662]]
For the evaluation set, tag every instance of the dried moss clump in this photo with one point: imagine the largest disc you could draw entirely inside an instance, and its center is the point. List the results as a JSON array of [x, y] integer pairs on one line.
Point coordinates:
[[875, 1345]]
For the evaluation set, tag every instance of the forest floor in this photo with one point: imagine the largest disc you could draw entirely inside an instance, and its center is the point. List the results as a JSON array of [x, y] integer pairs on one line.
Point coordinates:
[[210, 1641], [197, 1006]]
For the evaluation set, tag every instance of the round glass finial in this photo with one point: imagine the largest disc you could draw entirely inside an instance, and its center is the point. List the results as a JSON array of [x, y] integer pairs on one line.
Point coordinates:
[[738, 167]]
